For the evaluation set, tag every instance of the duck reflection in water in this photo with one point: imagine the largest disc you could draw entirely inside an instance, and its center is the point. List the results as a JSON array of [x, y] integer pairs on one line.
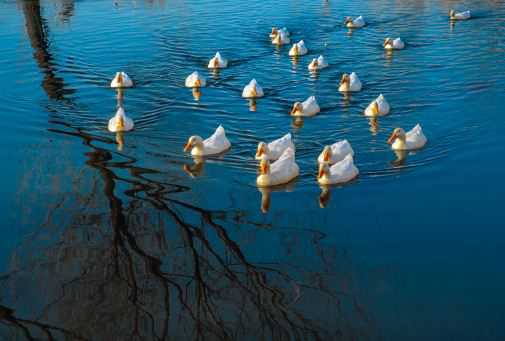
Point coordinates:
[[266, 194], [373, 122], [324, 196], [196, 169], [252, 104], [297, 122], [120, 141], [401, 157], [197, 93]]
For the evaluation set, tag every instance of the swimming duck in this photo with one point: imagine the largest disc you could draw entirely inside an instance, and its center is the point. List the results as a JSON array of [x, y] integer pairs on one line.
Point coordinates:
[[280, 172], [378, 107], [307, 108], [317, 64], [341, 172], [195, 80], [358, 22], [217, 62], [252, 90], [298, 49], [414, 139], [273, 150], [215, 144], [349, 83], [121, 80], [336, 152], [459, 16], [275, 30], [281, 38], [393, 44], [120, 122]]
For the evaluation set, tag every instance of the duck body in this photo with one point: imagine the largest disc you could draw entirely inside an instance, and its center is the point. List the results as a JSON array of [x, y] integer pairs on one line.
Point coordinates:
[[215, 144], [195, 80], [378, 107], [120, 122], [252, 90], [318, 64], [280, 172], [460, 16], [298, 49], [394, 44], [273, 150], [355, 23], [309, 107], [217, 62], [341, 172], [412, 140], [121, 80], [350, 83], [335, 153], [281, 38]]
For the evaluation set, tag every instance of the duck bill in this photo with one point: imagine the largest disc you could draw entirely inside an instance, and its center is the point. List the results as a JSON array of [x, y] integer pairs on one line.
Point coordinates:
[[120, 123], [392, 138], [120, 78], [254, 93], [326, 156], [215, 63], [320, 174], [198, 83], [187, 147], [260, 152]]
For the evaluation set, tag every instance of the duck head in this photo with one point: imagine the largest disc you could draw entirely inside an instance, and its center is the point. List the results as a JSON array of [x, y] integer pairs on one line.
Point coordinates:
[[324, 170], [398, 133], [297, 108], [452, 13], [347, 20], [274, 31], [198, 83], [277, 39], [193, 141], [120, 79], [294, 49], [314, 64], [215, 62], [327, 154], [345, 81], [264, 168], [120, 123], [388, 41], [375, 108], [261, 150]]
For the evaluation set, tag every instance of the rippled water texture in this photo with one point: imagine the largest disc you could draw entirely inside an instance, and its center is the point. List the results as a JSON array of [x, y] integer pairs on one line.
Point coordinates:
[[124, 237]]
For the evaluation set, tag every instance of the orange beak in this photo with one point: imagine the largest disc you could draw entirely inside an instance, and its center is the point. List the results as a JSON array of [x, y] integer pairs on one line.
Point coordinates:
[[320, 174], [326, 156], [260, 152], [215, 63], [120, 78], [188, 146], [120, 123], [392, 138], [198, 83], [254, 93]]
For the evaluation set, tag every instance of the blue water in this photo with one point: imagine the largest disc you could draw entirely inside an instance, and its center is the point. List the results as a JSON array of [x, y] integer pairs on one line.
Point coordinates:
[[110, 242]]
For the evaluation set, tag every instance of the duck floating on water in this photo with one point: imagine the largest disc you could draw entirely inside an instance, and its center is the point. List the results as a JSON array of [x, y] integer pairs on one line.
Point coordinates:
[[252, 90], [358, 22], [215, 144], [341, 172], [195, 80], [121, 80], [217, 62], [281, 38], [280, 172], [120, 122], [298, 49], [393, 44], [413, 139], [335, 153], [317, 64], [378, 107], [349, 83], [273, 150], [276, 30], [459, 16], [309, 107]]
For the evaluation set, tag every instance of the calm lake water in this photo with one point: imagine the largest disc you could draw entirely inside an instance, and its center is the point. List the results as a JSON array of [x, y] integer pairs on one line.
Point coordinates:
[[125, 238]]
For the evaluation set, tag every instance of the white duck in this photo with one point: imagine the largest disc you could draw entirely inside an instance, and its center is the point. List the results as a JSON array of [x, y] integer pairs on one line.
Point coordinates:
[[393, 44], [307, 108], [318, 64], [336, 152], [273, 150], [275, 30], [459, 16], [281, 38], [378, 107], [358, 22], [414, 139], [120, 122], [215, 144], [195, 80], [252, 90], [350, 83], [280, 172], [298, 49], [217, 62], [121, 80], [341, 172]]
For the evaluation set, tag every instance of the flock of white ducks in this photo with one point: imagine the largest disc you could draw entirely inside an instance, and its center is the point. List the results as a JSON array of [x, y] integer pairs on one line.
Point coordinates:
[[277, 162]]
